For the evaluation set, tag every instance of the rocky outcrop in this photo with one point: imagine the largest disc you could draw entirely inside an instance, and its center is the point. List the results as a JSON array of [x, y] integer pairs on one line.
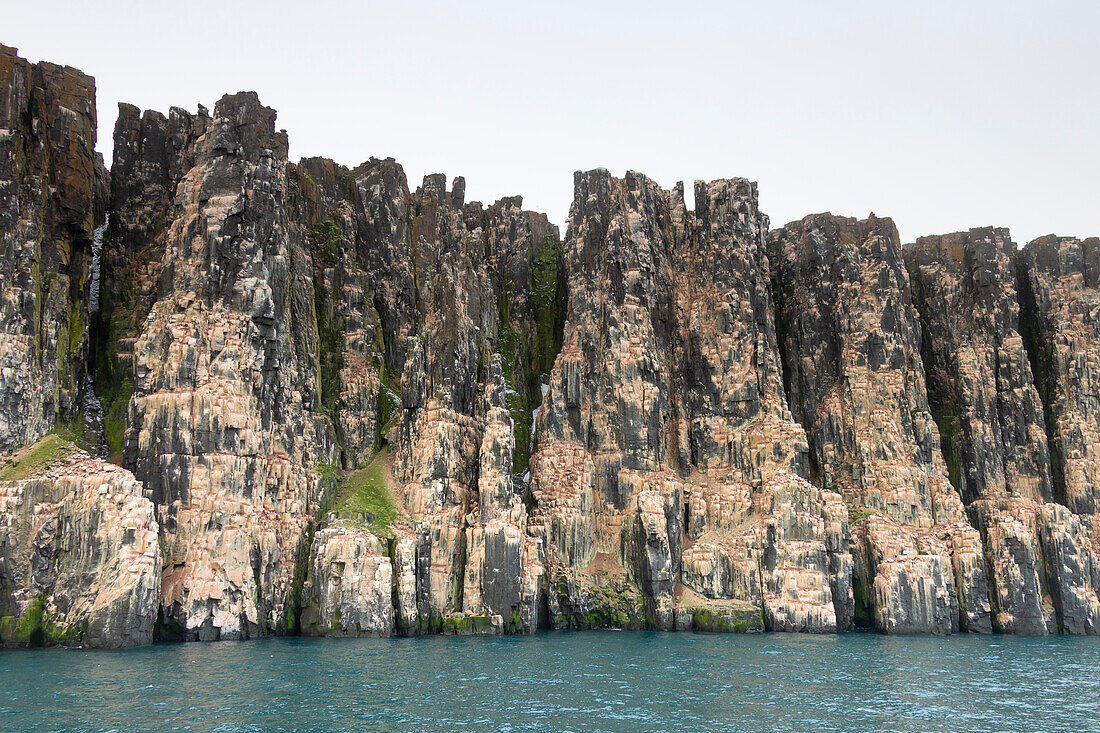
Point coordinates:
[[503, 568], [79, 558], [152, 154], [851, 344], [671, 482], [981, 393], [980, 386], [350, 585], [48, 202], [435, 318], [452, 447], [355, 409], [1060, 297], [224, 420]]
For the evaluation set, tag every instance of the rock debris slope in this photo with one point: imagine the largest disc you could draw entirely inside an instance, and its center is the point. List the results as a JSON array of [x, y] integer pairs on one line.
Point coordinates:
[[337, 406]]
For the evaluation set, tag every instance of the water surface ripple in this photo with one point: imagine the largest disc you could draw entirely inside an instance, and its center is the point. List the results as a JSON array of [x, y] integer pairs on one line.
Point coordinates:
[[587, 681]]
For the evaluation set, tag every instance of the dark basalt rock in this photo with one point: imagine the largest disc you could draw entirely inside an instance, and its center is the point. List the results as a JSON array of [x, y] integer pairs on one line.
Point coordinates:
[[48, 186]]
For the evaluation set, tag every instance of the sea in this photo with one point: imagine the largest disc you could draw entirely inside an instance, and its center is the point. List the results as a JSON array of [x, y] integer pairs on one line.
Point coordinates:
[[563, 681]]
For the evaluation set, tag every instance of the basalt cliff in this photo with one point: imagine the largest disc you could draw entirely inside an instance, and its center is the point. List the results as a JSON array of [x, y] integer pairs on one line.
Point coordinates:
[[242, 396]]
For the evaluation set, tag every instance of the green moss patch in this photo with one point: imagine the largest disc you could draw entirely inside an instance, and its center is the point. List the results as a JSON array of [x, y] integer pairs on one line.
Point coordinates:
[[34, 460], [467, 625], [734, 620], [37, 628], [611, 601], [857, 512], [364, 497]]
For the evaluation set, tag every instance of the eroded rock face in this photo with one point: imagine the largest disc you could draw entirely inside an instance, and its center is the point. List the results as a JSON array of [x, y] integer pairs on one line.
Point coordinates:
[[503, 568], [79, 558], [224, 420], [1060, 298], [979, 377], [350, 585], [671, 480], [851, 347], [435, 318], [48, 186], [982, 393], [456, 438], [582, 435], [152, 154]]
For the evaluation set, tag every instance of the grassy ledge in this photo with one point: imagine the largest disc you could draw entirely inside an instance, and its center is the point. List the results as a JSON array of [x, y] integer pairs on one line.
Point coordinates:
[[35, 459], [364, 498]]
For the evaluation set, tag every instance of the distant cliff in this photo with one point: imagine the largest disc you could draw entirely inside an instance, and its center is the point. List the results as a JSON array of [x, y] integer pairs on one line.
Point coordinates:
[[241, 396]]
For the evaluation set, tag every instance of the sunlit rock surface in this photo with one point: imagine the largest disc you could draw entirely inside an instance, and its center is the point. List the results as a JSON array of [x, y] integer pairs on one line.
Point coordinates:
[[79, 557], [670, 477], [851, 343]]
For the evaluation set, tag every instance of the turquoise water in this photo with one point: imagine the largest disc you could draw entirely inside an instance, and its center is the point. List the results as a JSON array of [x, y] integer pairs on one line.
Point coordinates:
[[584, 681]]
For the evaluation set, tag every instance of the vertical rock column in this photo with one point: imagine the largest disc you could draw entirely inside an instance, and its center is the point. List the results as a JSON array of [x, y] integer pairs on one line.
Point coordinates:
[[224, 423], [349, 342], [1060, 299], [742, 441], [604, 435], [670, 478], [981, 392], [48, 184], [439, 432], [152, 154], [503, 568], [432, 322], [851, 348]]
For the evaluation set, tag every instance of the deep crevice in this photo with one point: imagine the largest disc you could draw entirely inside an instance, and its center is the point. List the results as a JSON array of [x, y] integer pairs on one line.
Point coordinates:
[[1040, 354]]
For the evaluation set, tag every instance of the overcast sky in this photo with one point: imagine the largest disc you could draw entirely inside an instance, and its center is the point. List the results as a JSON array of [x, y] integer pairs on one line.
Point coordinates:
[[943, 115]]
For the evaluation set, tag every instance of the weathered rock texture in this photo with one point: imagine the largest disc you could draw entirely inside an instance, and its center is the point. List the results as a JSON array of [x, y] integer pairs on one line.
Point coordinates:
[[360, 409], [152, 154], [48, 186], [670, 479], [851, 348], [350, 587], [224, 419], [436, 319], [79, 559], [1060, 298], [981, 392]]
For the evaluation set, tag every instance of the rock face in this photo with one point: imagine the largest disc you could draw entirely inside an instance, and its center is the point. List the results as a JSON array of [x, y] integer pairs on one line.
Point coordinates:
[[48, 186], [980, 385], [348, 408], [224, 419], [350, 585], [79, 559], [851, 347], [981, 392], [1060, 298], [671, 482], [435, 320], [152, 154]]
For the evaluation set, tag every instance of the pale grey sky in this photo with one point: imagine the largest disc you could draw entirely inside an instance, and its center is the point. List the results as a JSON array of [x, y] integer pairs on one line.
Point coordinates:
[[943, 115]]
